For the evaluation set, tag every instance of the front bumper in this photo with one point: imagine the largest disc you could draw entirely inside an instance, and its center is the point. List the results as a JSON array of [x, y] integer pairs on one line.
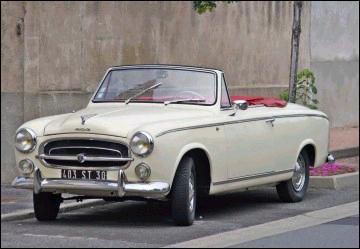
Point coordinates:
[[119, 188]]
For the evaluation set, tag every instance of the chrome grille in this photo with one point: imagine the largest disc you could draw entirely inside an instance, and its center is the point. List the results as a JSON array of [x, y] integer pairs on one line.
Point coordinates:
[[84, 153]]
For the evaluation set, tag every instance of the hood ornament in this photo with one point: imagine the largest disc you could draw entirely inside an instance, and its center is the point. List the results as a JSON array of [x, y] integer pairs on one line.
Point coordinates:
[[86, 117]]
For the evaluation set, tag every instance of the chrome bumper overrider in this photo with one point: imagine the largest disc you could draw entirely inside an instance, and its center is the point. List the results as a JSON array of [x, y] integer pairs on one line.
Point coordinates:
[[330, 158], [119, 188]]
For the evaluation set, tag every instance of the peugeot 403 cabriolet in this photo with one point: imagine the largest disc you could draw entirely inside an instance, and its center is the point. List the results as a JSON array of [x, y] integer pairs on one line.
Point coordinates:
[[170, 133]]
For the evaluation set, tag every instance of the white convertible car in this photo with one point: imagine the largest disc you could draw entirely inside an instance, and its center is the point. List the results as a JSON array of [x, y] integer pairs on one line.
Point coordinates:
[[168, 133]]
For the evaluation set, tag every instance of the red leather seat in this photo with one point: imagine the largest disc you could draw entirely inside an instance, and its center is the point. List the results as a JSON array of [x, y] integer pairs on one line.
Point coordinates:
[[258, 100]]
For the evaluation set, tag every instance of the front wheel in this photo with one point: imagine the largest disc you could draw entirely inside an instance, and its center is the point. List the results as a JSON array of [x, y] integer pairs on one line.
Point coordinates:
[[183, 195], [294, 190], [46, 206]]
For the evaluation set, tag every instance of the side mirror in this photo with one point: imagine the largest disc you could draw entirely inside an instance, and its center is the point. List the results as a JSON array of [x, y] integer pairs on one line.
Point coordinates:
[[241, 104]]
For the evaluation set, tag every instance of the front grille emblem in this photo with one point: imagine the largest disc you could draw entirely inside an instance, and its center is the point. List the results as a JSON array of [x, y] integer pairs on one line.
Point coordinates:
[[81, 158]]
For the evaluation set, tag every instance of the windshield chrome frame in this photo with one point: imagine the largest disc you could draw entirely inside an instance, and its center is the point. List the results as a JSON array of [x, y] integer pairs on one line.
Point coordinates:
[[184, 68]]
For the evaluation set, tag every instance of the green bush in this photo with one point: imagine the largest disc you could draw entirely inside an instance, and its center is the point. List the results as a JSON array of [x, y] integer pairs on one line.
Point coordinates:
[[284, 95], [306, 90]]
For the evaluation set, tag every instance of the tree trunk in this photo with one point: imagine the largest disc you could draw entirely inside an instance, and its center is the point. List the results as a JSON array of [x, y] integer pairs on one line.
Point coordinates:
[[295, 42]]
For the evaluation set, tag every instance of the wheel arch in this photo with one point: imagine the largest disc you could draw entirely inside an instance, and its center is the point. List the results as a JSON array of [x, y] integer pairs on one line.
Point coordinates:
[[310, 147], [203, 165]]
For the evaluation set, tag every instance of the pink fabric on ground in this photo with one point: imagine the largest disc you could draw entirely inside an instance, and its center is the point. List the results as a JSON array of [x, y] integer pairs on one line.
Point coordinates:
[[329, 169]]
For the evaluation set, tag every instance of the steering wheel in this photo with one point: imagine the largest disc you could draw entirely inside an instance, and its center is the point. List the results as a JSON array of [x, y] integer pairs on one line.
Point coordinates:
[[185, 94]]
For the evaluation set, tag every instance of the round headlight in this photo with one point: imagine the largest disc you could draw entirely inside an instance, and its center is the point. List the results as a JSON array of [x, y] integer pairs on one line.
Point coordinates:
[[142, 144], [25, 140], [143, 171], [26, 166]]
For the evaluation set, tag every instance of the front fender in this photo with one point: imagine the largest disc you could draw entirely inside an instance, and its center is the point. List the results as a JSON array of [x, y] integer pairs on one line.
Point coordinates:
[[38, 125], [185, 149]]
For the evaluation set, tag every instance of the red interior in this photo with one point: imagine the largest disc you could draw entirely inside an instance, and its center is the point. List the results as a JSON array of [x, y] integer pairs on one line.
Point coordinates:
[[258, 100]]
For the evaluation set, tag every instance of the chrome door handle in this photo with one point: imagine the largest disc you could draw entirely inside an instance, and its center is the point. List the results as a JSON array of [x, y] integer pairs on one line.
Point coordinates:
[[270, 121]]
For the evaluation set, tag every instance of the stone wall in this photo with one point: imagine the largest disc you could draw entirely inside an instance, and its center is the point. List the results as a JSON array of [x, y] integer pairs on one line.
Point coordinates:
[[335, 59], [12, 82], [69, 45]]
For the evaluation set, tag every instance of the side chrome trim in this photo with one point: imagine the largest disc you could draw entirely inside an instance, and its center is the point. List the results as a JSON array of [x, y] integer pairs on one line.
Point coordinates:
[[249, 177], [232, 108], [240, 121], [301, 115]]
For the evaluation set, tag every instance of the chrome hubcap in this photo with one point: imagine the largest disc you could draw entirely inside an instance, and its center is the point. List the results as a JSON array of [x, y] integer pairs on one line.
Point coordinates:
[[298, 179], [191, 193]]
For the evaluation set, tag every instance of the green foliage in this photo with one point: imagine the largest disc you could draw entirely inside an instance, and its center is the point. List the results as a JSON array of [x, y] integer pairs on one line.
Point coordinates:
[[284, 95], [305, 89], [204, 6]]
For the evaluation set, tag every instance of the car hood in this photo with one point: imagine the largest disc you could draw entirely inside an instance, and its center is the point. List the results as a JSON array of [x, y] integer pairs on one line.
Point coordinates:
[[120, 120]]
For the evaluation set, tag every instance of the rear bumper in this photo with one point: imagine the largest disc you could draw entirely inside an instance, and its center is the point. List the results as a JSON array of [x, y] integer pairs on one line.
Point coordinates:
[[119, 188], [330, 158]]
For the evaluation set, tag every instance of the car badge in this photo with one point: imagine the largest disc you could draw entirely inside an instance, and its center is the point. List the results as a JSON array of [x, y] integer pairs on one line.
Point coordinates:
[[81, 158], [86, 117]]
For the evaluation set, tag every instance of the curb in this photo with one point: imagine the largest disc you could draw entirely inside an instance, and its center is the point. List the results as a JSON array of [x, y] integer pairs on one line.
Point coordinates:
[[236, 238], [334, 182], [345, 153], [29, 213]]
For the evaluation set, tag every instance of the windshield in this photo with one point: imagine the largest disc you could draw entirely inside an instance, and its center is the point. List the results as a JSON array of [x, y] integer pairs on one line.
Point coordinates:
[[158, 86]]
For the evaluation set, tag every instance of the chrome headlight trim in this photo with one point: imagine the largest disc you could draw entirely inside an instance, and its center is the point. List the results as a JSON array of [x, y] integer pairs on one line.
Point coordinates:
[[33, 140], [146, 138]]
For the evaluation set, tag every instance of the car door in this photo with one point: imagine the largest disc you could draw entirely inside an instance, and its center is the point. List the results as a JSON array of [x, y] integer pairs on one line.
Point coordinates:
[[250, 139], [254, 141], [250, 145]]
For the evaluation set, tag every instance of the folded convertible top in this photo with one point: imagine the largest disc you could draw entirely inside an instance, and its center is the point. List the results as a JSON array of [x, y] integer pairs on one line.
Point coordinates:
[[258, 100]]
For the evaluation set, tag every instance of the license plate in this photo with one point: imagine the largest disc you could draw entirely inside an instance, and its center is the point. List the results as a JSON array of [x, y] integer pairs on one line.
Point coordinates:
[[83, 174]]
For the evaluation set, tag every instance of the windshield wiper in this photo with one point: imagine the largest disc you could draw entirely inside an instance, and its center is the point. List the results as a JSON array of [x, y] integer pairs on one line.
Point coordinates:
[[142, 92], [183, 100]]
